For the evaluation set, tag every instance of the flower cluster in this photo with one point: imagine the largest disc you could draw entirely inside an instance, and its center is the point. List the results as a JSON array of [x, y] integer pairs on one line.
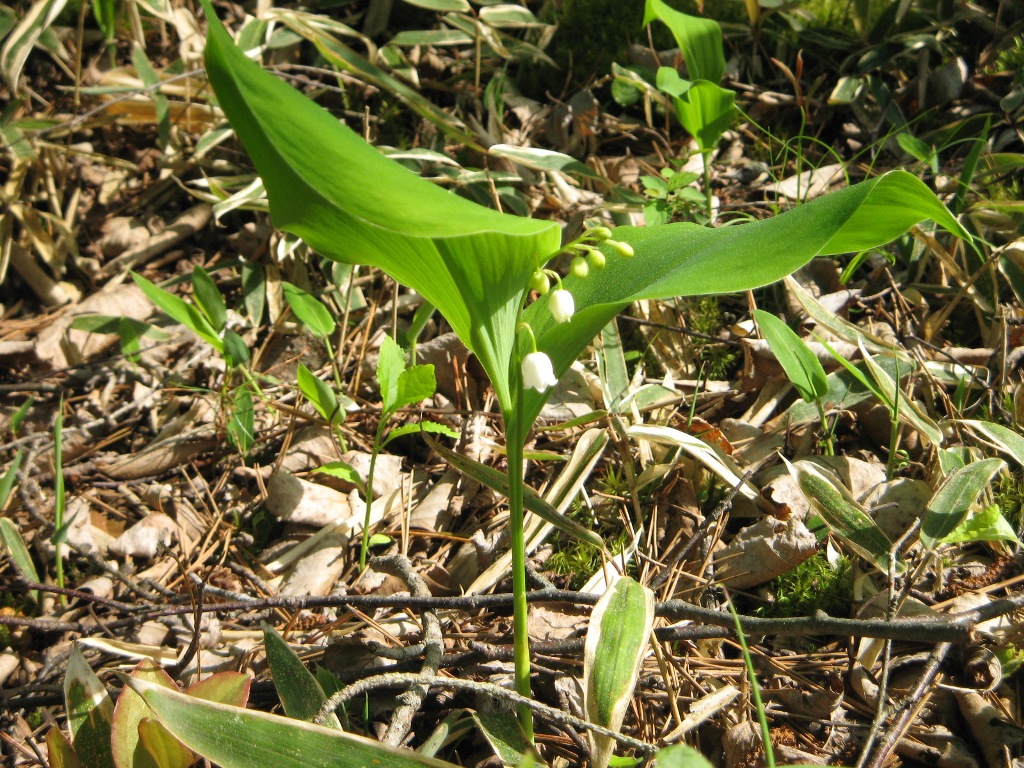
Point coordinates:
[[538, 372]]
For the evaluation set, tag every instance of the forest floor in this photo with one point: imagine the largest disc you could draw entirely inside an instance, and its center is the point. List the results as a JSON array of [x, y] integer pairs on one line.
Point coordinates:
[[161, 500]]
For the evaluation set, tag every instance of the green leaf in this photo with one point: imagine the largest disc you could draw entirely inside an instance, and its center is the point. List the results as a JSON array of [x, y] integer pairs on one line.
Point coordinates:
[[441, 5], [801, 365], [986, 525], [234, 737], [209, 299], [1003, 438], [344, 471], [617, 636], [415, 384], [9, 478], [504, 735], [18, 44], [18, 418], [59, 751], [90, 712], [235, 349], [951, 503], [390, 367], [241, 425], [906, 409], [300, 693], [352, 204], [310, 311], [177, 309], [844, 516], [421, 426], [680, 756], [704, 108], [11, 541], [498, 481], [689, 260], [149, 77], [320, 394], [542, 159], [254, 291], [436, 37], [129, 751], [700, 40]]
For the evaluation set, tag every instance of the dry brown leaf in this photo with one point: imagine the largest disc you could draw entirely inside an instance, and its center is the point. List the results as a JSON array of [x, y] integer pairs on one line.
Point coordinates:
[[762, 551]]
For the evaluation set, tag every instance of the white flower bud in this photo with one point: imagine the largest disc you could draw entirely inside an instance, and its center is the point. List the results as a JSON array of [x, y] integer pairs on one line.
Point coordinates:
[[600, 233], [561, 305], [538, 372], [623, 249]]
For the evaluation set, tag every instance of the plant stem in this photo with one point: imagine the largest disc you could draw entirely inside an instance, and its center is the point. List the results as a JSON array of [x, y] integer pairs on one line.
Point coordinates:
[[706, 157], [755, 689], [368, 491], [826, 430], [515, 438]]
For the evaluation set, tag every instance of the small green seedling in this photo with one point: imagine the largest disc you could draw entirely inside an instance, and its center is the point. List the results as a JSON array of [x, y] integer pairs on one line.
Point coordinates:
[[208, 319], [702, 106], [801, 365]]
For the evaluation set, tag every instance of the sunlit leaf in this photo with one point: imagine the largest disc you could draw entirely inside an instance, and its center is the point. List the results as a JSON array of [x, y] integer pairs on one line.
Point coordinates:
[[234, 737], [953, 500]]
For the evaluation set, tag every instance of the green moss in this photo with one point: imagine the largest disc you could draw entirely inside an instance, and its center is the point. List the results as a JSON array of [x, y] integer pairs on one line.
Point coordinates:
[[814, 585]]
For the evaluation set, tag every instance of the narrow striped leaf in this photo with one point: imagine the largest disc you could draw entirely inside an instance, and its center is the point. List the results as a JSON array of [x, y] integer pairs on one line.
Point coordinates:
[[844, 516], [620, 628], [953, 501]]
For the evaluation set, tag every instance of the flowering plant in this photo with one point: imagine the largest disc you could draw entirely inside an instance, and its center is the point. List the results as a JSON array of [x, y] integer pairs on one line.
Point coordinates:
[[477, 266]]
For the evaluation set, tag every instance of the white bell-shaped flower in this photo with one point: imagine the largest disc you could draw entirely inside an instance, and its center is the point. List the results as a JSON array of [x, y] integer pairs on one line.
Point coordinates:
[[561, 305], [538, 372]]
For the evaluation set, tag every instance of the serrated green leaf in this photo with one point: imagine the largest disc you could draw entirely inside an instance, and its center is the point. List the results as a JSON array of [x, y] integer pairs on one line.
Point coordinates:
[[343, 471], [951, 504], [415, 384], [987, 524], [801, 365], [421, 426]]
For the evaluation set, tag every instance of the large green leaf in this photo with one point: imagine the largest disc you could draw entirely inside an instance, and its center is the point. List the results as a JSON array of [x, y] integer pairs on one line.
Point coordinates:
[[689, 260], [352, 204], [704, 108], [700, 40], [234, 737]]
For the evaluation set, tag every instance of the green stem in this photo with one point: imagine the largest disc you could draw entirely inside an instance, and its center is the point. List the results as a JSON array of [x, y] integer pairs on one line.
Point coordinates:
[[706, 157], [515, 437], [755, 689], [826, 430], [368, 491]]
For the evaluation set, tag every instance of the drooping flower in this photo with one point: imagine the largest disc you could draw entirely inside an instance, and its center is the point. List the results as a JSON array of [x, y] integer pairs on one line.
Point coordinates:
[[561, 305], [538, 372]]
